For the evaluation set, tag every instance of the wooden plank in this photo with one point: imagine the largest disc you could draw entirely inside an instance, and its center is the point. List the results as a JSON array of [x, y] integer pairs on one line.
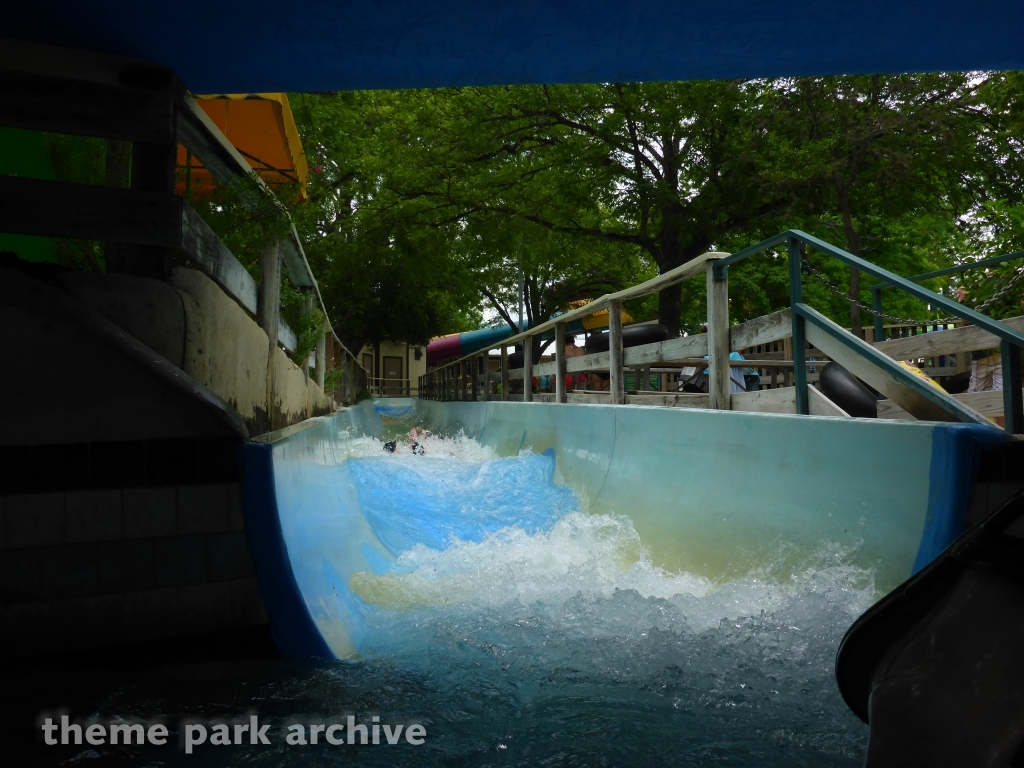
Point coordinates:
[[880, 372], [560, 368], [38, 102], [286, 336], [528, 370], [780, 400], [819, 405], [664, 351], [986, 403], [718, 340], [965, 339], [670, 399], [679, 274], [85, 212], [656, 399], [504, 373], [761, 330], [205, 250], [887, 409], [615, 361], [658, 352]]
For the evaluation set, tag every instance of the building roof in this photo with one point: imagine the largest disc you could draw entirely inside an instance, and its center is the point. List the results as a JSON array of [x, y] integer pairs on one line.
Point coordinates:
[[261, 127]]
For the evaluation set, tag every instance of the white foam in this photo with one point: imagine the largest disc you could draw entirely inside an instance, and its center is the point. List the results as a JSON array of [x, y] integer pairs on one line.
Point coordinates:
[[593, 557], [459, 447]]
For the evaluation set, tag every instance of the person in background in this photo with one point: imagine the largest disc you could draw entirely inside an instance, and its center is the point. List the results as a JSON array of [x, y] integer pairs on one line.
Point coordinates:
[[986, 371], [571, 351]]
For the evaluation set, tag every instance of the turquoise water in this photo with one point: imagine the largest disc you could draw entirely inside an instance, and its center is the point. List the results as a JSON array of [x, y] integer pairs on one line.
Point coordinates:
[[522, 630]]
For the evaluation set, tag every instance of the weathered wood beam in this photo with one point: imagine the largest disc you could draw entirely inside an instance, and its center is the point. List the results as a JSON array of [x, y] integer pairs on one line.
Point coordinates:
[[718, 340], [783, 400], [63, 105], [672, 277], [616, 375], [986, 404], [761, 330], [965, 339], [560, 369], [886, 376], [504, 373], [83, 212], [201, 245]]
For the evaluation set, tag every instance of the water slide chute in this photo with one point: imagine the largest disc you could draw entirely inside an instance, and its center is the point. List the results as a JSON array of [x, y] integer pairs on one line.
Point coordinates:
[[456, 345], [744, 494]]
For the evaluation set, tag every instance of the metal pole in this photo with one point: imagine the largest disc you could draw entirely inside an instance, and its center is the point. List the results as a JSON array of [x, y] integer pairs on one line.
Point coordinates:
[[795, 253]]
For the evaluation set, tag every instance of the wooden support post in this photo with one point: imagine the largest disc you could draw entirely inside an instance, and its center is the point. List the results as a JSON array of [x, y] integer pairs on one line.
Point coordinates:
[[321, 360], [504, 373], [268, 299], [485, 368], [153, 167], [307, 307], [560, 394], [528, 369], [1013, 405], [616, 375], [464, 370], [718, 340], [474, 379]]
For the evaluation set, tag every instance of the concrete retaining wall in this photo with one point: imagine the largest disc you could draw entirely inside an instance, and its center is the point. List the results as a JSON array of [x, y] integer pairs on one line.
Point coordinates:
[[229, 353]]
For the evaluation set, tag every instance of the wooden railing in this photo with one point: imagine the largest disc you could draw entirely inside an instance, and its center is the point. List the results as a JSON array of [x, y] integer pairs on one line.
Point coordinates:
[[792, 345], [65, 91]]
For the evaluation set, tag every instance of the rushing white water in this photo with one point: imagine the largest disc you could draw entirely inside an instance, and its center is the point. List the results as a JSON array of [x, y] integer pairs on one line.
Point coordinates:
[[523, 630], [505, 584]]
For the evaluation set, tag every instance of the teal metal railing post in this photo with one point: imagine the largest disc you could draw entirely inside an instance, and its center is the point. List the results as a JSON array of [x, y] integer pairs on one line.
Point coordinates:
[[795, 252], [1013, 403]]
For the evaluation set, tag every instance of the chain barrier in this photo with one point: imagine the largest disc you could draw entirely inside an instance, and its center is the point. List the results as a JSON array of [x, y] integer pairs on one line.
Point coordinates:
[[895, 318]]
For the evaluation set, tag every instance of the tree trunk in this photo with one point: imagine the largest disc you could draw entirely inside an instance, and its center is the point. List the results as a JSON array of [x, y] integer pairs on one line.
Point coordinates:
[[670, 307], [670, 299]]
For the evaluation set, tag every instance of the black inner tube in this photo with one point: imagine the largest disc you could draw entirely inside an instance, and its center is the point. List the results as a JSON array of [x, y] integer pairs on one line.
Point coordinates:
[[632, 336], [845, 390]]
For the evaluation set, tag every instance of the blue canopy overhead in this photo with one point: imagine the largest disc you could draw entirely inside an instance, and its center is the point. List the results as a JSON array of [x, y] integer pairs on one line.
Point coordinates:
[[244, 46]]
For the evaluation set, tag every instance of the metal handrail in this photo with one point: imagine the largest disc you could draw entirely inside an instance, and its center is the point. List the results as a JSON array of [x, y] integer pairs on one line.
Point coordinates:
[[876, 290], [1011, 340]]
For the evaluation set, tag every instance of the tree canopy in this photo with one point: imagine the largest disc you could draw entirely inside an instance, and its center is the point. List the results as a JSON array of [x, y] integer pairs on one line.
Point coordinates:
[[427, 209]]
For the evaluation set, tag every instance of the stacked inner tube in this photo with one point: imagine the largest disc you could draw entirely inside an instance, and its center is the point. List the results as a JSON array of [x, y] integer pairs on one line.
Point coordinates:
[[632, 336], [845, 390]]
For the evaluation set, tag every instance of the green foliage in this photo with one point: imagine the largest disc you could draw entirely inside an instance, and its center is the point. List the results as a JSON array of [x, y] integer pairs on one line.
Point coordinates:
[[331, 379], [426, 207], [82, 160], [308, 327]]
